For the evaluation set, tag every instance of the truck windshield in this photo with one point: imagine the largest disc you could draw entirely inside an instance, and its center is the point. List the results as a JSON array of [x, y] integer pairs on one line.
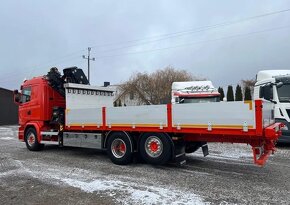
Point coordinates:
[[199, 100], [284, 93]]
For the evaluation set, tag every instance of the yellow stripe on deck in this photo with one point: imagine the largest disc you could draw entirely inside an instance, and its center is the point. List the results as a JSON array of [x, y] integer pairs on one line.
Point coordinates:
[[80, 125], [136, 125], [213, 126]]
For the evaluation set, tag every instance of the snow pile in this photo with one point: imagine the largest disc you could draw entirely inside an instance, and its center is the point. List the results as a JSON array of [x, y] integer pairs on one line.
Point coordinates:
[[235, 152], [122, 189], [8, 133], [136, 193], [6, 138]]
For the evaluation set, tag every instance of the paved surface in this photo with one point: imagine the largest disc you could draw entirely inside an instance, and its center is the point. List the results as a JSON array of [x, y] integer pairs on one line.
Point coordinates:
[[84, 176]]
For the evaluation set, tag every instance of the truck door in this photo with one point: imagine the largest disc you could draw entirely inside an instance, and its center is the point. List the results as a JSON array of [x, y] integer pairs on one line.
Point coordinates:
[[29, 107]]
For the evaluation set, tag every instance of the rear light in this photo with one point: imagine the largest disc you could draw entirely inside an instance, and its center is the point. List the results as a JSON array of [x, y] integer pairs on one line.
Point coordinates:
[[257, 151], [285, 128]]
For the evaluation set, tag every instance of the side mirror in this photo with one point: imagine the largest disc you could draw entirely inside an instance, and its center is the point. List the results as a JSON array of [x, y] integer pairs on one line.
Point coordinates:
[[266, 92], [17, 97], [279, 85]]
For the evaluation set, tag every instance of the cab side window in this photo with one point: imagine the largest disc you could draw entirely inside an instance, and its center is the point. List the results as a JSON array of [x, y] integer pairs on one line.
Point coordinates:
[[26, 95]]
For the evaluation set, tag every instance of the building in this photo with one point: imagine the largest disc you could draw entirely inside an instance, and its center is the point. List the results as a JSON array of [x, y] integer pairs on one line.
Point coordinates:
[[126, 98], [8, 109]]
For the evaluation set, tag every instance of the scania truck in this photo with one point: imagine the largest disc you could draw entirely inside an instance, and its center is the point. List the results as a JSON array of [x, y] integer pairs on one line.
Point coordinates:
[[64, 109]]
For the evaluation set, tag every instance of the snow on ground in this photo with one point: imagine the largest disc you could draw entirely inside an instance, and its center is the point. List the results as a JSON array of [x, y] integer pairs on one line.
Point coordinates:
[[8, 132], [123, 189], [6, 138], [138, 194], [235, 152]]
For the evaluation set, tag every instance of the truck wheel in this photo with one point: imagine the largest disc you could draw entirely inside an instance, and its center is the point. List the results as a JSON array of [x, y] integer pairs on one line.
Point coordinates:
[[119, 148], [155, 148], [31, 140]]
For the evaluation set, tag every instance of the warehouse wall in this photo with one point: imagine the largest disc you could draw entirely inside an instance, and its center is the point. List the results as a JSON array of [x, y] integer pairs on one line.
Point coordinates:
[[8, 110]]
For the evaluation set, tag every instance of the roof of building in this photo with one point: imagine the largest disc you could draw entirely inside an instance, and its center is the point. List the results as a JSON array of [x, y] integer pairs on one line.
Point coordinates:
[[5, 90]]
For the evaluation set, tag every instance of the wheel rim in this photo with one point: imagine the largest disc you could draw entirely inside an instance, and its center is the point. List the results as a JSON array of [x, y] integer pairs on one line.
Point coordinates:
[[118, 148], [153, 146], [31, 139]]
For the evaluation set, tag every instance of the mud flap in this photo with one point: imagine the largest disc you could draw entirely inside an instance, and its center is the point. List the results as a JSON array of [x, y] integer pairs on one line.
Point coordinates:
[[179, 154], [205, 150]]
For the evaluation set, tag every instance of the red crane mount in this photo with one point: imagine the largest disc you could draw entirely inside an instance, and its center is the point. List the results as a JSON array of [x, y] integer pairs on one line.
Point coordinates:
[[66, 110]]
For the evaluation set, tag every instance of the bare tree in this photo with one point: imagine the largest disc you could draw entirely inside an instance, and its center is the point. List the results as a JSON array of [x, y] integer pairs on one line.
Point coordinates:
[[249, 84], [155, 88]]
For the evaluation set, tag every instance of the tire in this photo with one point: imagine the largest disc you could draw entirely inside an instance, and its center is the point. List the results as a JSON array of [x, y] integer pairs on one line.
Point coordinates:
[[155, 148], [119, 148], [31, 140]]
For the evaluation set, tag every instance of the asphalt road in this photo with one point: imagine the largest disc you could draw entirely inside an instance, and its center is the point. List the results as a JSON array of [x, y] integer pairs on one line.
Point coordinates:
[[85, 176]]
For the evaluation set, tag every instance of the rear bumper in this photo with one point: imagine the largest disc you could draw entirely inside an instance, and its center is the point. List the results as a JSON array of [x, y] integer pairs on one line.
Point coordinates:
[[262, 150]]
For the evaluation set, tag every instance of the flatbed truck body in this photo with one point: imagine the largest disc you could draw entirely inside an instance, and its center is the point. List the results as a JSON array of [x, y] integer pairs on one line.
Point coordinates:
[[84, 116]]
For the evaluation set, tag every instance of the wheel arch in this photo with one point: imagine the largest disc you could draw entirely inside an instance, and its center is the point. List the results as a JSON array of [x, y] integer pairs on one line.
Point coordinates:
[[35, 126]]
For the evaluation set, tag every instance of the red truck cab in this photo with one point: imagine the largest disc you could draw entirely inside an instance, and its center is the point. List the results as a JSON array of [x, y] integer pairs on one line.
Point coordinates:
[[36, 102]]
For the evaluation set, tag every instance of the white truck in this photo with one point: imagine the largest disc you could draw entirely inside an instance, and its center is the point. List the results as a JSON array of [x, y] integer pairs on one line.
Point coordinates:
[[274, 86], [194, 92]]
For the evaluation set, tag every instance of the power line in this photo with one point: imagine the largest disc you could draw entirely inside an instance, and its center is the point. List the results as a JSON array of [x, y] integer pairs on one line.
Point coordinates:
[[181, 45], [33, 68], [49, 62], [179, 33], [165, 36], [196, 42], [171, 47], [22, 77], [195, 30], [58, 60]]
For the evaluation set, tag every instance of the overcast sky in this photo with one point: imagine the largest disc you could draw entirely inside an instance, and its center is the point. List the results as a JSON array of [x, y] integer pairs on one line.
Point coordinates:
[[130, 36]]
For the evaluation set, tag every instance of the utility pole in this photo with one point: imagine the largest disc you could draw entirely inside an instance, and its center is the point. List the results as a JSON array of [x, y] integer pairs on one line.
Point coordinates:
[[89, 59]]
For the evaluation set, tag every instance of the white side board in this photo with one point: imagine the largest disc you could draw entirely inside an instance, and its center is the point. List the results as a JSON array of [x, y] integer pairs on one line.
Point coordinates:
[[222, 114], [234, 115], [148, 115], [80, 96], [84, 117], [84, 104]]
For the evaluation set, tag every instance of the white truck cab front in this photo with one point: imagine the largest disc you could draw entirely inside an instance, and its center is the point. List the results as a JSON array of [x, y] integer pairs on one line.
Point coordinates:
[[274, 85], [194, 92]]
